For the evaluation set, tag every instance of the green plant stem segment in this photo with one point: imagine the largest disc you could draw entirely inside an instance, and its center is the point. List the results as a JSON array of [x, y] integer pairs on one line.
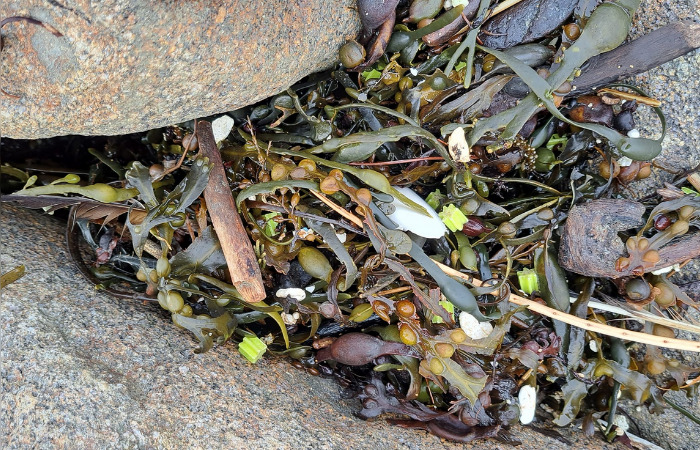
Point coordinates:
[[453, 217], [252, 348], [528, 281]]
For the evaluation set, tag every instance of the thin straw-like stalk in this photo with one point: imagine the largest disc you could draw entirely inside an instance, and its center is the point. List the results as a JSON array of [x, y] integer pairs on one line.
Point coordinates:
[[642, 338]]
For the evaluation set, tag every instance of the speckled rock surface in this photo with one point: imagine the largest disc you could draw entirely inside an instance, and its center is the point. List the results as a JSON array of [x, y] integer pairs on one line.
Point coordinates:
[[676, 83], [124, 66], [80, 369]]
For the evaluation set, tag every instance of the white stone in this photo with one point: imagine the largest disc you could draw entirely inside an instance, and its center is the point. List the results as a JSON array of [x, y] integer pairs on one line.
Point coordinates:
[[527, 400], [221, 126], [295, 293], [472, 327], [288, 319], [458, 147], [624, 161]]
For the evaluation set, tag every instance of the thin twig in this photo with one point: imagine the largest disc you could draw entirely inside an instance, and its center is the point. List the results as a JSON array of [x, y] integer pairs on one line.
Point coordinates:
[[400, 161], [502, 7], [644, 100], [642, 338], [348, 215]]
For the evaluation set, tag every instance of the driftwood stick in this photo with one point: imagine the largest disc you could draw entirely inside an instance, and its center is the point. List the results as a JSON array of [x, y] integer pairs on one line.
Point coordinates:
[[651, 50], [235, 244]]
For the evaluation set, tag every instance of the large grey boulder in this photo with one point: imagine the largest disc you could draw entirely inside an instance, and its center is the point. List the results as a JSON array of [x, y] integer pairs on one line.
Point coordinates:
[[125, 66]]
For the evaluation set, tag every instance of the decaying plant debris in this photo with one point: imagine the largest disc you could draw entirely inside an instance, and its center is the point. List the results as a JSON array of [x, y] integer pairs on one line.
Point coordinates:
[[439, 227]]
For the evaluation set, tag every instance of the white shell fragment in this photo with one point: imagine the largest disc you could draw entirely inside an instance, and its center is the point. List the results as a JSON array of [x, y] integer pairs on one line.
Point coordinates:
[[633, 133], [472, 327], [221, 126], [663, 270], [624, 161], [408, 219], [527, 400], [295, 293], [288, 319], [458, 147]]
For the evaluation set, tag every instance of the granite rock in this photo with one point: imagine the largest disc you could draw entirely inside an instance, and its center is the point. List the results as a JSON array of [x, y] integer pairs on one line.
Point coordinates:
[[676, 83], [80, 369], [124, 66]]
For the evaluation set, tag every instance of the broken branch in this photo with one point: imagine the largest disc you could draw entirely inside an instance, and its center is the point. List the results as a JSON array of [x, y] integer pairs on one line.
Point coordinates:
[[238, 251]]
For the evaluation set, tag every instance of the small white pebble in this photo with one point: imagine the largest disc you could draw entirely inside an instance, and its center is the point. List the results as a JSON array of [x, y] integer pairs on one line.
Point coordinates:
[[633, 133], [624, 161], [527, 400], [288, 319], [458, 147], [342, 236], [593, 345], [472, 327], [295, 293], [413, 71], [362, 97], [221, 127]]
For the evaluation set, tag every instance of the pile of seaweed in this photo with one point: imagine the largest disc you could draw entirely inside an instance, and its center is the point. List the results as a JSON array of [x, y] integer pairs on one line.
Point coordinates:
[[438, 223]]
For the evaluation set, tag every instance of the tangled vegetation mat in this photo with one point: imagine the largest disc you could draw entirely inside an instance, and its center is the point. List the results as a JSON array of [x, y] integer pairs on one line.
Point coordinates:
[[439, 223]]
